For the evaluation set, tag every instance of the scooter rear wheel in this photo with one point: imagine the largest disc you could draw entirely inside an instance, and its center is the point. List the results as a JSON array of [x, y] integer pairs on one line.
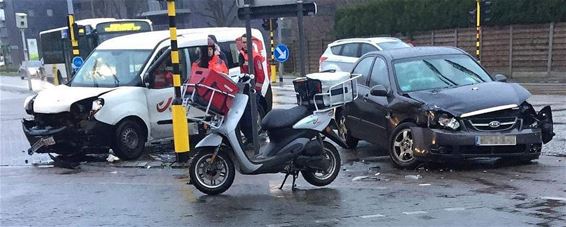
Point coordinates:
[[211, 177], [323, 178]]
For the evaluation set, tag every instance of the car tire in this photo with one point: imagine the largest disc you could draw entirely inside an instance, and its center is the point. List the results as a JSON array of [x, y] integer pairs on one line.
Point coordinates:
[[129, 140], [343, 131], [401, 146]]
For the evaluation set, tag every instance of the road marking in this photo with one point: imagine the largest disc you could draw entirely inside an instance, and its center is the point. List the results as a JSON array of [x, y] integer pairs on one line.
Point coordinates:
[[326, 220], [554, 198], [455, 209], [424, 184], [372, 216], [279, 225], [415, 212]]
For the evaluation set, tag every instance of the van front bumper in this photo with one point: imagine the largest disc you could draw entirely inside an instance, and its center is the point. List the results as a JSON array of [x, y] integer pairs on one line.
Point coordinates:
[[90, 135]]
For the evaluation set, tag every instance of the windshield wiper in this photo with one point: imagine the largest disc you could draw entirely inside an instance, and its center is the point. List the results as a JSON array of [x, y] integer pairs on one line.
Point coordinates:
[[116, 81], [442, 77], [465, 70]]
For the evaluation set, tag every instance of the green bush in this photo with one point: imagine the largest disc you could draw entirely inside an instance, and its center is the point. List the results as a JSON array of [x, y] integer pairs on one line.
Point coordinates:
[[408, 16]]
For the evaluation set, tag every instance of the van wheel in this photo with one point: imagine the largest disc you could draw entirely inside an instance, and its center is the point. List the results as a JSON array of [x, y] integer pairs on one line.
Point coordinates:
[[401, 149], [129, 140]]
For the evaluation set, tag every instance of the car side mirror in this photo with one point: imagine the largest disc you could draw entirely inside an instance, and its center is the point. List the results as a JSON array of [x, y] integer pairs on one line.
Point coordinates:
[[379, 90], [500, 78]]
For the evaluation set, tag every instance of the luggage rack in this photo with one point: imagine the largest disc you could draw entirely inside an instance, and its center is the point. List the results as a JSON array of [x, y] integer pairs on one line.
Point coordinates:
[[210, 118], [335, 101]]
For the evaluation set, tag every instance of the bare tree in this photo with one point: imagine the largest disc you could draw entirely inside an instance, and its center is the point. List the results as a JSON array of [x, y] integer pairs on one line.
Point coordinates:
[[220, 13]]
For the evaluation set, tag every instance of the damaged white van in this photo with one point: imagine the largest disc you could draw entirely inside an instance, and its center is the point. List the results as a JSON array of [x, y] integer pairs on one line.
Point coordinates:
[[120, 98]]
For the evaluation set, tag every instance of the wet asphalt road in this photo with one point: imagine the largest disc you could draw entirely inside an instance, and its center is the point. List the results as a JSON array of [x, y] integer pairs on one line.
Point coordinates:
[[368, 191]]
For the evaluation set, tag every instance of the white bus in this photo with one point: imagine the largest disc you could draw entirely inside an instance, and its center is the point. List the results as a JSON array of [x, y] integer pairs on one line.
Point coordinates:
[[55, 47]]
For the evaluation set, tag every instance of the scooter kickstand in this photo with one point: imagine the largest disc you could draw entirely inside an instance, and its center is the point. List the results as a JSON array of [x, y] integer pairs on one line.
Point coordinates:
[[295, 175], [286, 175]]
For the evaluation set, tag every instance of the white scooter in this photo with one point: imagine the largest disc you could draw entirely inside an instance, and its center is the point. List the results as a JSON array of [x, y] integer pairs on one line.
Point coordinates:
[[295, 145]]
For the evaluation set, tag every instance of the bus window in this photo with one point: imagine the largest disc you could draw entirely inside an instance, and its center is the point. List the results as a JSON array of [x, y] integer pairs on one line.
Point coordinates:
[[51, 48]]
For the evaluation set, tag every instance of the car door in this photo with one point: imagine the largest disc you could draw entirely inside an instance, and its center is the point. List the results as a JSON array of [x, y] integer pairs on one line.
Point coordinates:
[[348, 56], [160, 95], [354, 109], [374, 111]]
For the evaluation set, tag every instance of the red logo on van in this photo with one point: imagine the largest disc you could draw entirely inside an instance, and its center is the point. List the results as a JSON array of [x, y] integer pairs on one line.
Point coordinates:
[[162, 106]]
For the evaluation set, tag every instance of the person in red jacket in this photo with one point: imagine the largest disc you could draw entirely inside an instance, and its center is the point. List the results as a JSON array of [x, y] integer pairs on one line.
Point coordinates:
[[211, 59], [257, 61]]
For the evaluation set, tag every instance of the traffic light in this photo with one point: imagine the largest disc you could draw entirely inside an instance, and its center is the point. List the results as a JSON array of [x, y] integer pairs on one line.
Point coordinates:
[[485, 6], [265, 24]]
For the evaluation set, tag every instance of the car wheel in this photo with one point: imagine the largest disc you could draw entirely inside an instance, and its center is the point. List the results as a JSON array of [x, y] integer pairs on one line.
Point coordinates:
[[401, 149], [129, 140], [344, 133]]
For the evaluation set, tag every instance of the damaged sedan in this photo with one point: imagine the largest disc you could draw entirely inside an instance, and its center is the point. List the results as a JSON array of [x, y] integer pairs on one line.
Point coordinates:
[[437, 104]]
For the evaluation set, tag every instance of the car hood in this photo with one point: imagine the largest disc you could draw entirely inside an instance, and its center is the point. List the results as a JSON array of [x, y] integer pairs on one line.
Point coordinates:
[[59, 99], [470, 98]]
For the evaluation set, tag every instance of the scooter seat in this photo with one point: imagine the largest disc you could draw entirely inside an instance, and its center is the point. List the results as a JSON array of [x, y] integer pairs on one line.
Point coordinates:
[[282, 118]]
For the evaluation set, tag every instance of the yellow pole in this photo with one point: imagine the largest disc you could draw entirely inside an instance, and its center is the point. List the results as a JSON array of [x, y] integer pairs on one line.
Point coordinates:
[[74, 41], [478, 29], [55, 77], [180, 126], [272, 63]]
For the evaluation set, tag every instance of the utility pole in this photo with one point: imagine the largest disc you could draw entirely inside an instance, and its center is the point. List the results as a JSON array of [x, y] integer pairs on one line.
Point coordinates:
[[280, 40], [272, 42], [478, 29], [180, 125]]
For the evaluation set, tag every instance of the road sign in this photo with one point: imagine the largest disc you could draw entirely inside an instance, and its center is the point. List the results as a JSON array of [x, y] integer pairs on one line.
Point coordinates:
[[77, 62], [281, 53], [277, 9]]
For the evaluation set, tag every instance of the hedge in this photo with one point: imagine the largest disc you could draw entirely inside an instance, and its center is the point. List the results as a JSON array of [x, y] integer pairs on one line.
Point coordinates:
[[408, 16]]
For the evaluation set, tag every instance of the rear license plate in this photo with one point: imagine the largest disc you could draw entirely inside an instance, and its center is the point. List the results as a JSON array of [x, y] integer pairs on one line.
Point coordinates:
[[496, 140], [47, 141]]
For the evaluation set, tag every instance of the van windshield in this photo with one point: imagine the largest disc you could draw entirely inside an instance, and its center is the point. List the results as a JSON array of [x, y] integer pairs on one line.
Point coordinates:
[[111, 68]]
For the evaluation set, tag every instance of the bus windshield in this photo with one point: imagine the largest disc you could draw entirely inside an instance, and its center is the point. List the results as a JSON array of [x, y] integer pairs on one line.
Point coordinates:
[[111, 68]]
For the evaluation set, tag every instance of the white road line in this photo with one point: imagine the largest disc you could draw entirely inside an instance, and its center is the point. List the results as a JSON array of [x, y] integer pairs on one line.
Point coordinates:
[[554, 198], [279, 225], [372, 216], [424, 184], [415, 212], [326, 220], [455, 209]]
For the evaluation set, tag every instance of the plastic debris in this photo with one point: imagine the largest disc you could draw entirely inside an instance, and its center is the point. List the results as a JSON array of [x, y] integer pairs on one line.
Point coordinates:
[[359, 178], [114, 172], [413, 177], [111, 158], [377, 174], [424, 184]]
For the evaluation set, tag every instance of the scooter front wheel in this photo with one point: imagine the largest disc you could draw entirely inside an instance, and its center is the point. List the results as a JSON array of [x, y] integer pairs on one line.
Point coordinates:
[[323, 178], [210, 176]]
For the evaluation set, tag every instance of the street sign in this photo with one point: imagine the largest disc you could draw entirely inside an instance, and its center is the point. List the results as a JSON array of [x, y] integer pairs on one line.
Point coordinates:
[[21, 20], [281, 53], [77, 62]]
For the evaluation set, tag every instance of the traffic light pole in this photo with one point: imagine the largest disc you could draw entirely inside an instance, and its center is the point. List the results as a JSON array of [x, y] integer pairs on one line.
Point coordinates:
[[180, 125], [251, 70], [478, 29]]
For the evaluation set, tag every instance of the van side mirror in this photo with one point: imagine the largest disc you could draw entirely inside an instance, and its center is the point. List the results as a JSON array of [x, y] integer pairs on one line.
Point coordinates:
[[379, 90], [500, 78]]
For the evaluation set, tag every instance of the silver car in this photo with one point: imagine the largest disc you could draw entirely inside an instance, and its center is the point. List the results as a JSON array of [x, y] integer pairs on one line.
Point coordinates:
[[341, 55]]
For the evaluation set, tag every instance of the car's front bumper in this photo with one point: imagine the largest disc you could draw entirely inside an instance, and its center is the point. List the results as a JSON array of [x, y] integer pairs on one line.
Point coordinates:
[[435, 144], [91, 134]]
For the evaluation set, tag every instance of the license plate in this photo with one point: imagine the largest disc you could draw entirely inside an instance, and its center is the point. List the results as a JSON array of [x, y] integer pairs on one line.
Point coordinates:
[[496, 140], [47, 141]]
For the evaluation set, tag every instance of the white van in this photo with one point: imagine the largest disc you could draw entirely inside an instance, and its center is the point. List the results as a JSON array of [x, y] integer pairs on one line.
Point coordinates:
[[119, 98]]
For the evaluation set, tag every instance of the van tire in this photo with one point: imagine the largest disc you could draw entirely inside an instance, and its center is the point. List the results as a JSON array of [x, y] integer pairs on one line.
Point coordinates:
[[129, 140]]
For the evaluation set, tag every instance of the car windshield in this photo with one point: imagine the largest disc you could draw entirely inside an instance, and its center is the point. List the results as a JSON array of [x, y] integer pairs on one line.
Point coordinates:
[[111, 68], [438, 73], [392, 45]]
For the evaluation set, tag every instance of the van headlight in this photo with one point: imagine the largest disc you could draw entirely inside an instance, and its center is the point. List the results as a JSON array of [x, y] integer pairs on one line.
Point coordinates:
[[28, 104], [447, 121], [96, 106]]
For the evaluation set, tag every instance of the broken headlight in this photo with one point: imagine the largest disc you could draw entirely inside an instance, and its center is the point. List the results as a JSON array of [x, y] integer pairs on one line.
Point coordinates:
[[447, 121], [28, 104], [443, 120], [96, 106]]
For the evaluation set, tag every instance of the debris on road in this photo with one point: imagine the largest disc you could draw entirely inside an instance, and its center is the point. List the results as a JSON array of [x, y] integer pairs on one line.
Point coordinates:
[[413, 177], [111, 158]]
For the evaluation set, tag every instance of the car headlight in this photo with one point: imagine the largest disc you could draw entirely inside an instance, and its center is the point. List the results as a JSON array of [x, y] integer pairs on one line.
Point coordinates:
[[96, 106], [28, 104], [448, 122]]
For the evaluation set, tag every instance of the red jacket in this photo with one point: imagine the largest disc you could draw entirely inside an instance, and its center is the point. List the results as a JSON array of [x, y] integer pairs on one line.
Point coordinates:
[[258, 69]]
